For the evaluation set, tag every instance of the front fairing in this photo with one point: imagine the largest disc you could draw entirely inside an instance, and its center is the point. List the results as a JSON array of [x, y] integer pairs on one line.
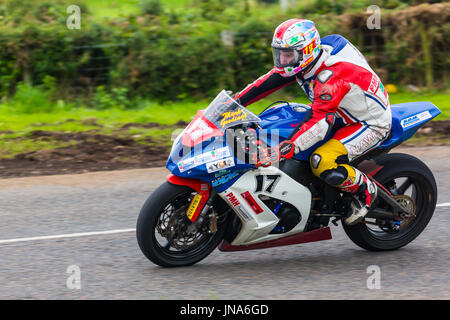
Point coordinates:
[[193, 160], [204, 162], [202, 151]]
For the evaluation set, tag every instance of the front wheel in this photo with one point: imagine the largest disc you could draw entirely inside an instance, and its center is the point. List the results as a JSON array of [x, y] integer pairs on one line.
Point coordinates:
[[165, 234], [411, 181]]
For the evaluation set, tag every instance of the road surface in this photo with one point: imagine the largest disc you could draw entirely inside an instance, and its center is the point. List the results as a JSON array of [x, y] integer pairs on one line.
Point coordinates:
[[54, 226]]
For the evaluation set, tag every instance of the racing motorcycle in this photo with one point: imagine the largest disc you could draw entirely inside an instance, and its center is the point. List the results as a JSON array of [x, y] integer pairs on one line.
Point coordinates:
[[215, 196]]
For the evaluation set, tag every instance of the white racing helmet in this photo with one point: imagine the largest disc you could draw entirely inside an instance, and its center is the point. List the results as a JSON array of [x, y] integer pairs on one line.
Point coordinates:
[[295, 45]]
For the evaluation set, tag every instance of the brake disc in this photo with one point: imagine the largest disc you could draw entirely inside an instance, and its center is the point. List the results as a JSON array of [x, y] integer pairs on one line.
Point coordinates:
[[167, 221], [178, 233]]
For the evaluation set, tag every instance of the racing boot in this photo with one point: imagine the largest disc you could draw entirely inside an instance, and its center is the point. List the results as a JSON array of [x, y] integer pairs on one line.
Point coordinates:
[[364, 192]]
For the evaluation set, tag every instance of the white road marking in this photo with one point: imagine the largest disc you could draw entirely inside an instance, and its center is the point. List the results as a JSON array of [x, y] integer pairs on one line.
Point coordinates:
[[445, 204], [69, 235], [86, 234]]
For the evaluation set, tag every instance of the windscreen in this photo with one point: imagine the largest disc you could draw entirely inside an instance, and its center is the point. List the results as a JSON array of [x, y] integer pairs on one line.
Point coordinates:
[[225, 112]]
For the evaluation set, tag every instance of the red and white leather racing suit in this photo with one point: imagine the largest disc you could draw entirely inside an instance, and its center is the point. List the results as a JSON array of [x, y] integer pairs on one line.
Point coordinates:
[[341, 83]]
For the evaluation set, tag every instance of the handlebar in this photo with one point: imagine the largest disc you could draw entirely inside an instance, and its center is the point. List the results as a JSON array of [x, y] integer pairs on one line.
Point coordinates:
[[248, 146]]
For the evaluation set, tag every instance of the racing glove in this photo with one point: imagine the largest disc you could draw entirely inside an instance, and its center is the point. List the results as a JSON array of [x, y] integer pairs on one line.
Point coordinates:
[[269, 156], [286, 149]]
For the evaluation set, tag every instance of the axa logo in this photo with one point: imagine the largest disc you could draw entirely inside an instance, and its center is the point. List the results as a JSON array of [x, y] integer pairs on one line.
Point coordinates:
[[231, 197]]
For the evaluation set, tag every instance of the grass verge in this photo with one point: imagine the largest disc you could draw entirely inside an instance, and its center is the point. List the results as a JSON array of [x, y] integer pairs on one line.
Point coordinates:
[[16, 128]]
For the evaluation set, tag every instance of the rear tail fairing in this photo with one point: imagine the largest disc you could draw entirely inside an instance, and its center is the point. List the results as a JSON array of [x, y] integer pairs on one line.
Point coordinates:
[[407, 118]]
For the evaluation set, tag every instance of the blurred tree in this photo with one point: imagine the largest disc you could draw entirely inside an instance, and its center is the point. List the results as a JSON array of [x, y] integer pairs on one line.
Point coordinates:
[[210, 8], [269, 1], [153, 7]]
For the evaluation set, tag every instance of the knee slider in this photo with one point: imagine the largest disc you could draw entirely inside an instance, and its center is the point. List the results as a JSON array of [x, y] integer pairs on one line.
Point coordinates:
[[315, 160]]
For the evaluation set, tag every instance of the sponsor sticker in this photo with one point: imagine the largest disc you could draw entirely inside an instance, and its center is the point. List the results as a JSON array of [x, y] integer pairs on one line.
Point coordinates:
[[252, 202], [224, 178], [231, 197], [193, 206], [307, 61], [232, 116], [190, 163], [277, 41], [221, 173], [220, 164], [374, 84], [407, 122], [242, 212]]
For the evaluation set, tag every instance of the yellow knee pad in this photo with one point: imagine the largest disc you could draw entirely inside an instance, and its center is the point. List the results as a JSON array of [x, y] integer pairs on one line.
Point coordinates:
[[325, 157]]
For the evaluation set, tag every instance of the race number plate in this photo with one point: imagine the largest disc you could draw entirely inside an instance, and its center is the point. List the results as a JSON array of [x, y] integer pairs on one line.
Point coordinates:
[[193, 206]]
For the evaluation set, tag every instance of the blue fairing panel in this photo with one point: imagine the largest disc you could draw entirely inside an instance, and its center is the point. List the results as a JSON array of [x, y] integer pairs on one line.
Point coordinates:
[[407, 118], [281, 120], [202, 155]]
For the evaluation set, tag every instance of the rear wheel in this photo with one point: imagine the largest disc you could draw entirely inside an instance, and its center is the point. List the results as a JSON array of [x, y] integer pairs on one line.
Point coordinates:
[[165, 234], [412, 183]]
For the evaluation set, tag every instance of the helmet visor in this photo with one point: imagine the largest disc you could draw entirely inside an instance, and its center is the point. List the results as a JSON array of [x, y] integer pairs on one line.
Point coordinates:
[[286, 57]]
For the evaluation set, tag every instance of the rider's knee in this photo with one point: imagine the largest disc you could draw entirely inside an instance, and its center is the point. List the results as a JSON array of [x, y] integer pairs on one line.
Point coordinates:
[[328, 157], [330, 163]]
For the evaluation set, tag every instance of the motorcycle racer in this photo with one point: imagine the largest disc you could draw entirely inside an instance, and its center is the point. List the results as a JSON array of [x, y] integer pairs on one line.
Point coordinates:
[[345, 93]]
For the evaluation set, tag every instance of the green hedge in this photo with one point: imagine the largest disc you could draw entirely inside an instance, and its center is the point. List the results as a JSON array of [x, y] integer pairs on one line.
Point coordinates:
[[180, 55], [411, 47]]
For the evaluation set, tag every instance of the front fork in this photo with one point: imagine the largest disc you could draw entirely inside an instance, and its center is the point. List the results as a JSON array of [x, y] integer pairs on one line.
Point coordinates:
[[203, 214], [200, 199], [200, 204]]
